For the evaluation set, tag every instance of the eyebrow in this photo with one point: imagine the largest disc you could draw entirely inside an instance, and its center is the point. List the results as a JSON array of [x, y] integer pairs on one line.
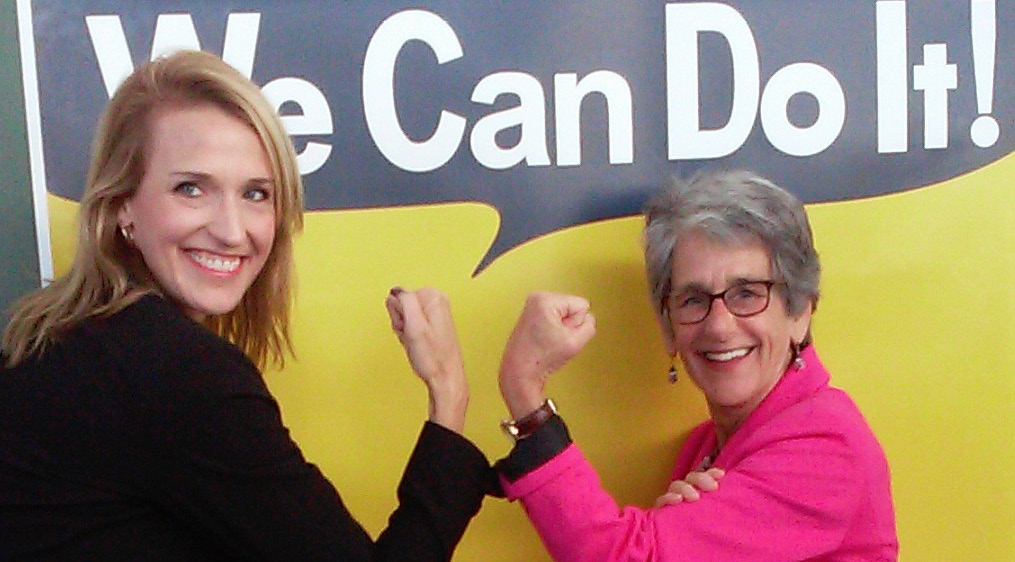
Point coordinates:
[[190, 174], [261, 182]]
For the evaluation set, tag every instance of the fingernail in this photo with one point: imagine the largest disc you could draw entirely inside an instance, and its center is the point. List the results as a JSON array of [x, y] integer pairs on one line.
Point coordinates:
[[395, 291]]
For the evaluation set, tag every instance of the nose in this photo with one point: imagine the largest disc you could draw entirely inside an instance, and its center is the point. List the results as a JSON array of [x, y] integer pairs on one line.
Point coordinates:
[[227, 224], [719, 321]]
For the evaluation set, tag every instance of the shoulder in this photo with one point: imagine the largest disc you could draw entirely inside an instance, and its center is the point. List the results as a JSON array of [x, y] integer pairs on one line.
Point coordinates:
[[804, 405], [152, 325], [828, 423], [831, 410], [155, 340]]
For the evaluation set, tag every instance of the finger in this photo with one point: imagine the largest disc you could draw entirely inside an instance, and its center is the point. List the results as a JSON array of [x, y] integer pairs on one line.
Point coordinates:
[[689, 492], [668, 499], [587, 328], [394, 308], [573, 310], [581, 332], [702, 481], [414, 319], [681, 487], [436, 309]]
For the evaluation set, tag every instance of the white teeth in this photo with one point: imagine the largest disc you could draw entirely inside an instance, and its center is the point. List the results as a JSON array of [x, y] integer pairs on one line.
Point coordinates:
[[727, 355], [214, 263]]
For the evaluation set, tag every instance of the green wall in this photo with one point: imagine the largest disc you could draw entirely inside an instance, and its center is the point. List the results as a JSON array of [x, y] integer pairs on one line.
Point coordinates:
[[19, 264]]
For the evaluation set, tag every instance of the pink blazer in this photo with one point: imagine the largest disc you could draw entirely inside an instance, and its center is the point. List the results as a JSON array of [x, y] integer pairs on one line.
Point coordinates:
[[805, 480]]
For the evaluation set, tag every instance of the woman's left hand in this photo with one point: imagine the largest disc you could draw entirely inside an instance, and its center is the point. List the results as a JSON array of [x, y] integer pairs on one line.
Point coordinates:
[[688, 489], [423, 323]]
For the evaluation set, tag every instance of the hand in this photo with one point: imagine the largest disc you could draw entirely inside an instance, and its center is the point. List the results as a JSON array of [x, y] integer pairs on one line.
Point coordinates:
[[550, 331], [422, 321], [688, 488]]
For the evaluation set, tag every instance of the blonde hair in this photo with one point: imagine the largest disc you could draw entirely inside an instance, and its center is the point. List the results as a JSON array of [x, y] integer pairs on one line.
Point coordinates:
[[107, 274]]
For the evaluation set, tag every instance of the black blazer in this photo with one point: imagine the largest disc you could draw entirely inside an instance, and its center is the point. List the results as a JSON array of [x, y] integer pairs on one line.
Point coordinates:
[[145, 437]]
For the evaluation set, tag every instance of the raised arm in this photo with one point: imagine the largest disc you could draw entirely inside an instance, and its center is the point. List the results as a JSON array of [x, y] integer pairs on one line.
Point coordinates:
[[423, 323], [794, 499], [550, 331], [788, 493], [218, 456]]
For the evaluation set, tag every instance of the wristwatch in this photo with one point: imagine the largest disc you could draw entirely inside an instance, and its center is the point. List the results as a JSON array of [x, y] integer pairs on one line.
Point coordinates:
[[520, 429]]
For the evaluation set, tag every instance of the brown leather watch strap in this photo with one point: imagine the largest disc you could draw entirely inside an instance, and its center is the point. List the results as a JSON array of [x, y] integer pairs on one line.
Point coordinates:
[[519, 429]]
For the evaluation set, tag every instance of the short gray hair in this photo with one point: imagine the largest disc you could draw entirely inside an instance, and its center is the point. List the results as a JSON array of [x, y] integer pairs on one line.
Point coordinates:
[[733, 207]]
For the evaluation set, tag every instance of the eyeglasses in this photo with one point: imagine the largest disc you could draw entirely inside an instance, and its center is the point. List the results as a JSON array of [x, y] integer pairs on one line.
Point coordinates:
[[744, 299]]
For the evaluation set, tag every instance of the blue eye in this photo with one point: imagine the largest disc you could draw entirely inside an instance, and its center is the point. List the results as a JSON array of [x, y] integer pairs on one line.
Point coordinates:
[[258, 191], [257, 195], [188, 189]]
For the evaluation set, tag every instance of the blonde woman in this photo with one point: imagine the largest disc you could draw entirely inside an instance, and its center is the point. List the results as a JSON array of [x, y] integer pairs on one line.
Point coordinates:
[[134, 422]]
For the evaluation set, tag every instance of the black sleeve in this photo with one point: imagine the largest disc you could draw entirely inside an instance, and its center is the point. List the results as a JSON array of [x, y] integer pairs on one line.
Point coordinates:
[[535, 450], [223, 460], [440, 492]]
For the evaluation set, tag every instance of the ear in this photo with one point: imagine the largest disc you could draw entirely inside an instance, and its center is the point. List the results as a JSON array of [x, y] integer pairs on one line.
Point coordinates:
[[801, 323]]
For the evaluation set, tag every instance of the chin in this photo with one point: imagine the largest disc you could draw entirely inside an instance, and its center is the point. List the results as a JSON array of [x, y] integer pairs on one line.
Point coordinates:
[[205, 309]]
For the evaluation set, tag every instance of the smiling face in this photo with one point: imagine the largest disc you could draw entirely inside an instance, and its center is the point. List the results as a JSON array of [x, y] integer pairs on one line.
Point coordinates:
[[735, 361], [203, 216]]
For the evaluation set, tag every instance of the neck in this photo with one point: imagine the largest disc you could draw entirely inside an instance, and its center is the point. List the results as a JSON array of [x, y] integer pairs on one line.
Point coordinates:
[[726, 424], [728, 419]]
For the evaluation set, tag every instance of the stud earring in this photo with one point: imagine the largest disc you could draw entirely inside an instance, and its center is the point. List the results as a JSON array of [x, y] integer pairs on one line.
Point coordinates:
[[672, 374], [128, 236]]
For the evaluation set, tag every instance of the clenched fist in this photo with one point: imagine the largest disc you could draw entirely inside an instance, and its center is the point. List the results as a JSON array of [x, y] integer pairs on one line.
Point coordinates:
[[550, 331], [423, 323]]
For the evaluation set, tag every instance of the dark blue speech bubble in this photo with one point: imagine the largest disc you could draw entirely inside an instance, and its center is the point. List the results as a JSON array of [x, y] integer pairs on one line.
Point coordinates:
[[833, 100]]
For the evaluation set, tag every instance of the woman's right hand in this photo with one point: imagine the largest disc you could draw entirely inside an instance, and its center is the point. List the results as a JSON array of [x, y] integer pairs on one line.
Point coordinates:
[[688, 489], [550, 331], [423, 323]]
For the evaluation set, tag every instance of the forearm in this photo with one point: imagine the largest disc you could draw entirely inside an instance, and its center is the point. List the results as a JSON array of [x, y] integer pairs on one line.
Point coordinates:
[[521, 382], [442, 489], [807, 482], [448, 402], [564, 499], [576, 519]]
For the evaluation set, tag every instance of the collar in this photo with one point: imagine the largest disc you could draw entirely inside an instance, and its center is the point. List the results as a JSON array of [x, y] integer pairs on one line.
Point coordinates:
[[795, 385]]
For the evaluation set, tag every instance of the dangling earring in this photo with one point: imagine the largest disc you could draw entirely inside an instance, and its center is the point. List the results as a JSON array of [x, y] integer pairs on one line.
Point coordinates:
[[798, 361], [672, 374], [128, 236]]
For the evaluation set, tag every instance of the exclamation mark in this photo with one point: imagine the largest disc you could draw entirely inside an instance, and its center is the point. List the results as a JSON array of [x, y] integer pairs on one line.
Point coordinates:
[[983, 26]]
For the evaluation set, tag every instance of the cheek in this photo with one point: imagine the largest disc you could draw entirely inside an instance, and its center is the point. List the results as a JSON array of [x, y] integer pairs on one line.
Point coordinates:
[[777, 335], [265, 238], [153, 233], [263, 230], [683, 338]]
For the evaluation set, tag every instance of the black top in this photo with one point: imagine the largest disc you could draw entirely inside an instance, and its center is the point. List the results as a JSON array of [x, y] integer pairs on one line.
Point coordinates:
[[145, 437]]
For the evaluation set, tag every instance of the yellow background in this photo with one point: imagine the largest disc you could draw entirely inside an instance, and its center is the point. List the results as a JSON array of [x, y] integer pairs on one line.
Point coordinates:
[[916, 321]]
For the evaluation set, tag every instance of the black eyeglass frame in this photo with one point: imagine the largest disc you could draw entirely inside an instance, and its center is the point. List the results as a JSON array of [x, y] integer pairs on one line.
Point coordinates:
[[768, 284]]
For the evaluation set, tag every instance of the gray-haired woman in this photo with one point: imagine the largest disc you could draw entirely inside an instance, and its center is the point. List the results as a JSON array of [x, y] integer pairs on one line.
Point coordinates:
[[733, 275]]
